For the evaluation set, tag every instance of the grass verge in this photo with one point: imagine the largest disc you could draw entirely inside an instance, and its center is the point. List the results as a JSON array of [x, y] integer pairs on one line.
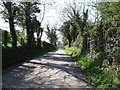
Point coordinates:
[[97, 73]]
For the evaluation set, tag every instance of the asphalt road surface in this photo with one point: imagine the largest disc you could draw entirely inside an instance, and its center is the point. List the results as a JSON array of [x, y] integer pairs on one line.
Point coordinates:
[[55, 69]]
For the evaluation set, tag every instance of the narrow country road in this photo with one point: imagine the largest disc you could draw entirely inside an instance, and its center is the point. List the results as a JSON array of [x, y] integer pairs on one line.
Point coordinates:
[[52, 70]]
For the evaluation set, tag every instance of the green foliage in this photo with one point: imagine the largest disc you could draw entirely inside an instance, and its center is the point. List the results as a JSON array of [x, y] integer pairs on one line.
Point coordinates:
[[51, 35], [94, 46], [101, 62], [22, 14], [97, 72], [73, 51], [66, 31], [109, 9], [11, 56], [78, 43], [48, 46]]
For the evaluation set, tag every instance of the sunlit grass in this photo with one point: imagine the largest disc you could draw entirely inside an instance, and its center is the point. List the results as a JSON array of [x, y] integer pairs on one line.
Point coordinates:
[[97, 73]]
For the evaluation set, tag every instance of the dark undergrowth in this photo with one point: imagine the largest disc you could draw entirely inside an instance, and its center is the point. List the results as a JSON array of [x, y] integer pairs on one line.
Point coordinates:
[[12, 56]]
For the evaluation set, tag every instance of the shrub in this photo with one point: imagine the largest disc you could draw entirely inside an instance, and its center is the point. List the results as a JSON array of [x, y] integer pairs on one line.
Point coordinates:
[[97, 71], [11, 56]]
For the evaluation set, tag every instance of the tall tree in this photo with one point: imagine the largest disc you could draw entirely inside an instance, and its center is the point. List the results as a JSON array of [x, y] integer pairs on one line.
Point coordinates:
[[51, 34], [28, 24], [66, 31], [30, 10], [110, 17], [36, 25], [83, 32], [11, 12], [77, 24]]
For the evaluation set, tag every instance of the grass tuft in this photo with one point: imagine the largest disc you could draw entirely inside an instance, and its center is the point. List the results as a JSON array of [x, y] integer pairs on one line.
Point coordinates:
[[97, 73]]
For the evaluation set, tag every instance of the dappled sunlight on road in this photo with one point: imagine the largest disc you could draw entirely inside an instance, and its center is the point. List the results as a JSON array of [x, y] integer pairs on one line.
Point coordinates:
[[52, 70]]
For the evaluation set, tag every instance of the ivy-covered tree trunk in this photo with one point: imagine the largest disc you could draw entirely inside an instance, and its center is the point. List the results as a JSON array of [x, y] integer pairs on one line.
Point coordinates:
[[83, 32], [69, 40], [5, 38], [84, 44], [13, 33], [88, 43], [39, 36], [41, 31], [28, 25], [11, 15]]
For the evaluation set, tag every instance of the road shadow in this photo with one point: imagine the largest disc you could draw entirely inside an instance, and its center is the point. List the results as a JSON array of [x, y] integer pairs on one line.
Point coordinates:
[[19, 76]]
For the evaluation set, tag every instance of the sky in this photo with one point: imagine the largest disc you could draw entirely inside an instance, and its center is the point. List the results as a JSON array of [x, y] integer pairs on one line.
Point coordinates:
[[52, 16]]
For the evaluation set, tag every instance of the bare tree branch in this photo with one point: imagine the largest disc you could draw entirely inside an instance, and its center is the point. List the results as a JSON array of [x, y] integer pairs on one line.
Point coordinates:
[[44, 9]]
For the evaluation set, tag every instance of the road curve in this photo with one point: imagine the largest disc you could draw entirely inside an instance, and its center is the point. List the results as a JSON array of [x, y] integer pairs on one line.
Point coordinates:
[[52, 70]]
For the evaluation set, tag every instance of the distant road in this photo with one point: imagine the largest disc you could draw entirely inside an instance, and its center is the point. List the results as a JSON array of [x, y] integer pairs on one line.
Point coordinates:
[[52, 70]]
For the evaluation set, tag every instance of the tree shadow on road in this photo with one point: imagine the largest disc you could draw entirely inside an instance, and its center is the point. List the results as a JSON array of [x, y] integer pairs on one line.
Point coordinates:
[[37, 80]]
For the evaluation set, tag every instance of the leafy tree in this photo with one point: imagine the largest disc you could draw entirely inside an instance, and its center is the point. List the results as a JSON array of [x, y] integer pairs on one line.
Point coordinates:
[[11, 12], [51, 34], [83, 32], [28, 24], [30, 10], [100, 41], [27, 19], [65, 29], [37, 27], [111, 23], [77, 26]]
